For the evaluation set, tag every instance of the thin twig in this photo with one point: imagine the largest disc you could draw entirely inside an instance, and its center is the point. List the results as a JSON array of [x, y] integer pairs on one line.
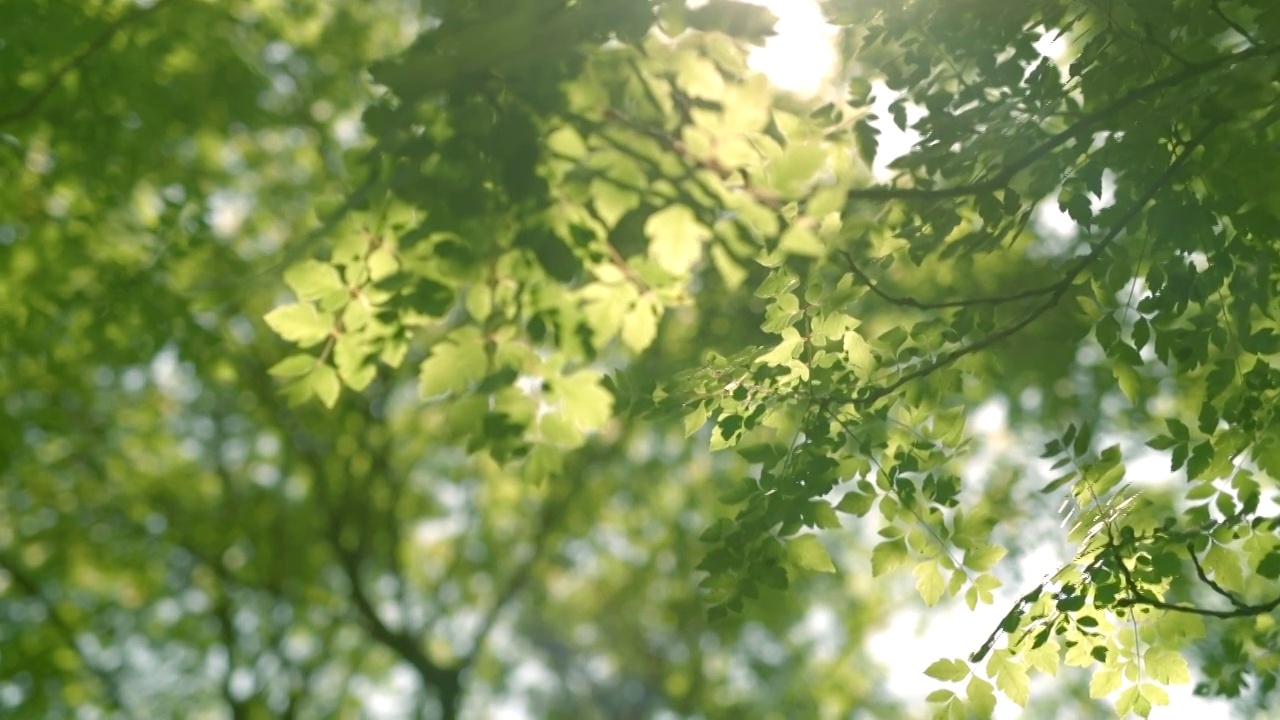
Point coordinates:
[[1140, 598], [910, 301], [1217, 10], [1213, 585]]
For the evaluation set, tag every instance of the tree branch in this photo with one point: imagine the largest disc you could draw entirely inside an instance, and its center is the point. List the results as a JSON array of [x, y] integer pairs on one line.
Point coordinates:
[[1213, 585], [444, 680], [63, 628], [51, 85], [550, 516], [1217, 10], [912, 302], [1055, 290], [1137, 597], [1082, 126], [1143, 599]]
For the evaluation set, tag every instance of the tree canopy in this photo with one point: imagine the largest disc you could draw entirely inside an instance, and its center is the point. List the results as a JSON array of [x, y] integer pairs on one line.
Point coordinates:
[[457, 358]]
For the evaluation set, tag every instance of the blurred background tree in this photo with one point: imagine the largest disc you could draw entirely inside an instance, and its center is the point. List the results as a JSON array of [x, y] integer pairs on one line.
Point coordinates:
[[521, 254]]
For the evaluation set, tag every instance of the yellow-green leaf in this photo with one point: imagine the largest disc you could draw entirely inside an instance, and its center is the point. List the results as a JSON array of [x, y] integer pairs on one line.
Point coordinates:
[[1128, 380], [807, 552], [929, 582], [640, 324], [887, 556], [454, 363], [325, 385], [1104, 682], [983, 557], [582, 400], [982, 698], [312, 279], [293, 366], [799, 240], [299, 323], [1166, 666], [948, 670], [675, 238]]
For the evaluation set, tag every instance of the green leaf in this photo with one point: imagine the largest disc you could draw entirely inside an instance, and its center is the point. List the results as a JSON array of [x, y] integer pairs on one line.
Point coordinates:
[[611, 201], [293, 366], [1269, 566], [797, 166], [1132, 701], [349, 358], [1166, 666], [1199, 461], [1044, 658], [888, 555], [825, 516], [675, 238], [799, 240], [983, 557], [731, 272], [858, 354], [640, 324], [929, 582], [583, 400], [382, 263], [1011, 677], [807, 551], [779, 281], [299, 323], [1128, 380], [455, 362], [325, 385], [855, 503], [695, 419], [312, 280], [948, 670], [1107, 331], [699, 77], [1224, 566], [1105, 681], [982, 697], [1154, 693]]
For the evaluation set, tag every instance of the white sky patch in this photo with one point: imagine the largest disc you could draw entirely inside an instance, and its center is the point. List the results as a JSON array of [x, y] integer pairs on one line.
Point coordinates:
[[802, 56], [1053, 45]]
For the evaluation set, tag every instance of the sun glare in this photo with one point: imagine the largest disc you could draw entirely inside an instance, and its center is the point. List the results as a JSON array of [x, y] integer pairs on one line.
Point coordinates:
[[802, 56]]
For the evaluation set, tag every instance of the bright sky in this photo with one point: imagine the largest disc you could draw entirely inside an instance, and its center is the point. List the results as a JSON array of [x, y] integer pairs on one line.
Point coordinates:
[[802, 55], [801, 58]]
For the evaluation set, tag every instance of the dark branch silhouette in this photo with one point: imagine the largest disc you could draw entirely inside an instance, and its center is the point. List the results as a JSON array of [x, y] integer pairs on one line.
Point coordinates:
[[1204, 578], [1139, 598]]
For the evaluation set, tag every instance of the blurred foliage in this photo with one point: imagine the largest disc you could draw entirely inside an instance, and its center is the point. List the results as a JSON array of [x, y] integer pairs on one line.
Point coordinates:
[[459, 358]]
